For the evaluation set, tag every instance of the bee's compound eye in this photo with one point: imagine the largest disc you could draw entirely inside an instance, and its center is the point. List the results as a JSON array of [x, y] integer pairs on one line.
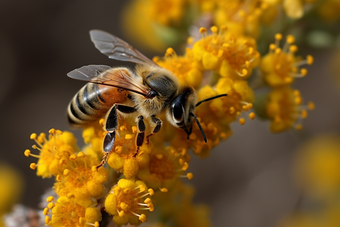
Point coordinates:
[[177, 113]]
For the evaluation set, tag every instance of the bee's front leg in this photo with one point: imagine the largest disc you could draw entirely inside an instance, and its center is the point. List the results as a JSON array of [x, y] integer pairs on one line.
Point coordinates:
[[156, 129]]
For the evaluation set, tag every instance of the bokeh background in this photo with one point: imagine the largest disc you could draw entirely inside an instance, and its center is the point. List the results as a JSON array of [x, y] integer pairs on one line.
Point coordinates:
[[247, 180]]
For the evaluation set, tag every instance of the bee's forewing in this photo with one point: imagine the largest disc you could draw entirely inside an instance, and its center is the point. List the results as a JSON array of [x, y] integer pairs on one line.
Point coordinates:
[[115, 77], [117, 49]]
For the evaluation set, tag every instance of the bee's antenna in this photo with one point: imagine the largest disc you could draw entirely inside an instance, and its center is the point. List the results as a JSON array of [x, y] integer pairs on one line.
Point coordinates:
[[208, 99], [199, 125]]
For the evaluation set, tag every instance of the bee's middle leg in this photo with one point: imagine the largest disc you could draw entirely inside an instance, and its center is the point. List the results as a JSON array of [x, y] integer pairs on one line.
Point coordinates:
[[110, 125], [141, 133]]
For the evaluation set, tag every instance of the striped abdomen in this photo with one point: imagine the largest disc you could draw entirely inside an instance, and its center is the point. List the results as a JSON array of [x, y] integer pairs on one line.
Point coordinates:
[[92, 102]]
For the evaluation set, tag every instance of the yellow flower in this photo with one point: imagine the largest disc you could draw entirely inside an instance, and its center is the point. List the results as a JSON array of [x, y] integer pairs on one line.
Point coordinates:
[[318, 164], [10, 188], [122, 157], [284, 108], [241, 17], [67, 212], [93, 135], [81, 179], [128, 201], [329, 10], [185, 68], [60, 145], [280, 66], [221, 51], [165, 167]]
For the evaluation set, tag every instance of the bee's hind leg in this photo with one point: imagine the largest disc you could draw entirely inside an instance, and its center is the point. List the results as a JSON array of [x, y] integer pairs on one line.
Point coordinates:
[[156, 129], [141, 133]]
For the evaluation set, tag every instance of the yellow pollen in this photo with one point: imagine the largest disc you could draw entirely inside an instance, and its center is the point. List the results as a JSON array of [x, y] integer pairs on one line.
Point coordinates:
[[252, 115], [33, 136], [73, 157], [142, 218], [185, 166], [304, 114], [119, 149], [310, 59], [242, 121], [298, 100], [70, 195], [220, 53], [272, 46], [288, 79], [293, 48], [151, 192], [247, 64], [250, 105], [244, 72], [80, 154], [147, 200], [142, 188], [49, 199], [251, 50], [190, 176], [151, 207], [311, 105], [34, 146], [96, 224], [121, 213], [127, 190], [296, 93], [278, 50], [202, 30], [93, 168], [129, 136], [27, 153], [298, 127], [169, 52], [245, 107], [58, 178], [232, 110], [124, 206], [214, 29], [50, 205], [164, 190], [278, 36], [51, 131], [123, 128], [66, 172], [62, 161], [45, 212], [190, 40], [181, 161], [303, 72], [290, 39], [33, 166], [47, 220], [238, 113], [101, 121]]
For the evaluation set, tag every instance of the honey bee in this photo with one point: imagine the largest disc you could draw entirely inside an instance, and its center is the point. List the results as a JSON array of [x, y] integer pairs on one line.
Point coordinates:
[[148, 90]]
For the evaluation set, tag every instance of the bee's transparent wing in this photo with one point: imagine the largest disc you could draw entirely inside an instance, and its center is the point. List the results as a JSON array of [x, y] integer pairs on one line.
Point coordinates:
[[115, 77], [117, 49]]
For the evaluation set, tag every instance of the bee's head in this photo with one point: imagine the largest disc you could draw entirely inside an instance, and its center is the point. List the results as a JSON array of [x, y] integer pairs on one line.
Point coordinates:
[[180, 112]]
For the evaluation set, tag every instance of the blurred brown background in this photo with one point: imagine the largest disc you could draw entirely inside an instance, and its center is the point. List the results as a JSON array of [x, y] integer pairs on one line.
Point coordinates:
[[247, 181]]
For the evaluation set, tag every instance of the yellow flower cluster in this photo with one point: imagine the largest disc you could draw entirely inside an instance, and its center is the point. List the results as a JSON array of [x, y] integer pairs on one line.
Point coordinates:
[[78, 183], [317, 168], [280, 67]]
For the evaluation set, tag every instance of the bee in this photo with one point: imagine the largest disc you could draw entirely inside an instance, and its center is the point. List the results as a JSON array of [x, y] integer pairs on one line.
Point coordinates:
[[148, 90]]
